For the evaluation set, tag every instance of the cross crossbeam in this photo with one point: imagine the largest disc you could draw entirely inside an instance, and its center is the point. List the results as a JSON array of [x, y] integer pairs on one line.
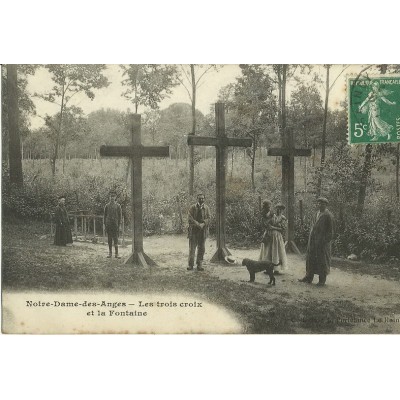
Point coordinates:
[[136, 152], [221, 142]]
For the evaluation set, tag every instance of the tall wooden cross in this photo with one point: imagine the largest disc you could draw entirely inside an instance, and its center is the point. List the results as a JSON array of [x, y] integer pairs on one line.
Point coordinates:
[[136, 152], [221, 142], [288, 154]]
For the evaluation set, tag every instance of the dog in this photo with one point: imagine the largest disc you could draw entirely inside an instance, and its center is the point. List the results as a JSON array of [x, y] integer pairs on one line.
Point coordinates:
[[255, 266]]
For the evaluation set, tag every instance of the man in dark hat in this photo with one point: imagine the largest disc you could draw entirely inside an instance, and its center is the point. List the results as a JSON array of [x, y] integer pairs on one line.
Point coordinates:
[[319, 244], [199, 219], [112, 221], [63, 235]]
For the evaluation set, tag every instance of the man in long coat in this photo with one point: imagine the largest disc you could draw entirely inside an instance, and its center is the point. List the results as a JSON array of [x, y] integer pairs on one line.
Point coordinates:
[[319, 244], [199, 220], [63, 235], [112, 222]]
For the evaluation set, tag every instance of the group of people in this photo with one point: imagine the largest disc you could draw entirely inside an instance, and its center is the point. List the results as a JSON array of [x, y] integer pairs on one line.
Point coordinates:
[[272, 243], [112, 222], [273, 240]]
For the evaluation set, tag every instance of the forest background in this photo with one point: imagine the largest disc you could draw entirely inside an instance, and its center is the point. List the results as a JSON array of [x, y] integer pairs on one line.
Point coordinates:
[[61, 155]]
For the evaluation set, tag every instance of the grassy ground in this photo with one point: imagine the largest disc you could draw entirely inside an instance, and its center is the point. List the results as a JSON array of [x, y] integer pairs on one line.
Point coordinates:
[[31, 262]]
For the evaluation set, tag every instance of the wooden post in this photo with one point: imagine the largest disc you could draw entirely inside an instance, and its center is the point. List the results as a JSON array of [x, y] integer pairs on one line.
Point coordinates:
[[301, 212], [288, 155], [136, 152], [51, 225], [123, 232], [221, 142], [180, 214], [94, 225], [104, 232], [76, 226], [220, 184], [81, 213]]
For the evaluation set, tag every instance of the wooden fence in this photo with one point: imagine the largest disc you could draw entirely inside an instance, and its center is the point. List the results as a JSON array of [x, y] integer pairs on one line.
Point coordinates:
[[85, 226]]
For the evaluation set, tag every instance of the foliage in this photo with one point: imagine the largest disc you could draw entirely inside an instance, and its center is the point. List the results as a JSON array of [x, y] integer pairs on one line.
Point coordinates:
[[251, 107], [25, 104], [148, 84], [305, 113], [174, 124], [70, 79], [373, 235]]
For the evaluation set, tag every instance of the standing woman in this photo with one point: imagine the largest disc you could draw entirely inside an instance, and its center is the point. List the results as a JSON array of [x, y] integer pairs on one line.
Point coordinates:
[[275, 250], [266, 220], [63, 234]]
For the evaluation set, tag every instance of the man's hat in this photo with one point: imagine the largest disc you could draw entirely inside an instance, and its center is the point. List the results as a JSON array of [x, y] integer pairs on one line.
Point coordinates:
[[61, 197], [280, 205], [323, 200]]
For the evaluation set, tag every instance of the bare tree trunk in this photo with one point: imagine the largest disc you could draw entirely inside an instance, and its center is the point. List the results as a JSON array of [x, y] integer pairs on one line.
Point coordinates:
[[128, 170], [14, 145], [313, 158], [305, 174], [366, 173], [323, 145], [285, 167], [191, 151], [64, 157], [58, 135], [253, 163], [232, 158]]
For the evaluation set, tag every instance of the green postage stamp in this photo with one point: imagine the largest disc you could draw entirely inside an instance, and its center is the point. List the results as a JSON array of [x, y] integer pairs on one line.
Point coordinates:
[[374, 109]]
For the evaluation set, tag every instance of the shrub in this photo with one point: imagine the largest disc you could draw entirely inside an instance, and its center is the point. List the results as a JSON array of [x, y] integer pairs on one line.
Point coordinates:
[[86, 185]]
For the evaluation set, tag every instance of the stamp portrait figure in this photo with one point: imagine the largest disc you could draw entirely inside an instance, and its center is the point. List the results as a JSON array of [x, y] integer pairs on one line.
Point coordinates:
[[372, 105]]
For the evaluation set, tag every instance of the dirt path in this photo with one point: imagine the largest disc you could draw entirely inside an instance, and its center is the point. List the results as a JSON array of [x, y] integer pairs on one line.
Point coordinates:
[[350, 303], [380, 297]]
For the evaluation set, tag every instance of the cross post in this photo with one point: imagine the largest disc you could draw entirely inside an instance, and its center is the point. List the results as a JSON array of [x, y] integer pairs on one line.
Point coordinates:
[[136, 152], [221, 143], [288, 154]]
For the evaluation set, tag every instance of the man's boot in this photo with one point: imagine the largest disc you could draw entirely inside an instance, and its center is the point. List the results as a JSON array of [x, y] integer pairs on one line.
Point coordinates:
[[199, 267], [321, 280], [307, 279]]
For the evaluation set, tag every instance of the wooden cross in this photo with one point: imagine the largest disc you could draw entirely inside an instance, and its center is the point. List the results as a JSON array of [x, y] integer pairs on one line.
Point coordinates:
[[136, 152], [221, 142], [288, 154]]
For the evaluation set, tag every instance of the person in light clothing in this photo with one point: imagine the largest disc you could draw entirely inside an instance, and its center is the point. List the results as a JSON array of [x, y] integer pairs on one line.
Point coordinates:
[[273, 249]]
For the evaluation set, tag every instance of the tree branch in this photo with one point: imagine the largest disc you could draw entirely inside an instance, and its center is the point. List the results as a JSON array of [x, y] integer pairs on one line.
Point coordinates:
[[187, 90], [198, 80], [338, 76]]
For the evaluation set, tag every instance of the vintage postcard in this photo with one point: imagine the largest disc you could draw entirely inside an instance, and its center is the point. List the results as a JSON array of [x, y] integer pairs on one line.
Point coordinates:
[[215, 199]]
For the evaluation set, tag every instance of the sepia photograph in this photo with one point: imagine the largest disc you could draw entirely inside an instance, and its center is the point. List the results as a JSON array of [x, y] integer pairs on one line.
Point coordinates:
[[200, 198]]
